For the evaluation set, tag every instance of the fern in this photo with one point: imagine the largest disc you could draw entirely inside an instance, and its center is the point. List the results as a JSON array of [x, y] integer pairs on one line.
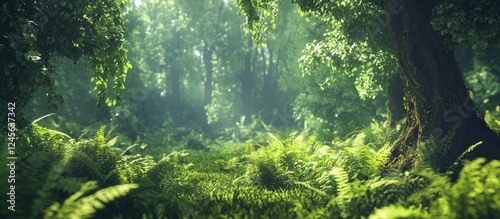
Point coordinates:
[[45, 194], [80, 206], [360, 161], [492, 118], [457, 164], [344, 191], [43, 117], [474, 195], [398, 212]]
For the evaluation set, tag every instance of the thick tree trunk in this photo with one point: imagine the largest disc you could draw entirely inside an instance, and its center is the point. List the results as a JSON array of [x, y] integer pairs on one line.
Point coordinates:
[[440, 111], [395, 93]]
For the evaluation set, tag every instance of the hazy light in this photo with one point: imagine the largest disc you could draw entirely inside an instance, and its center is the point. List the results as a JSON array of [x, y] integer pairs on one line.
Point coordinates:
[[137, 3]]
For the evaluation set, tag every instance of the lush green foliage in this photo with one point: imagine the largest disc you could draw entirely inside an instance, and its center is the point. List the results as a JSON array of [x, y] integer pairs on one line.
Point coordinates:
[[214, 124], [34, 34], [479, 18], [294, 176]]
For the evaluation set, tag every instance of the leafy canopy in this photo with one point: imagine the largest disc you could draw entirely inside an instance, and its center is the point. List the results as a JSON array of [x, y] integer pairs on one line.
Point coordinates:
[[36, 33], [357, 42]]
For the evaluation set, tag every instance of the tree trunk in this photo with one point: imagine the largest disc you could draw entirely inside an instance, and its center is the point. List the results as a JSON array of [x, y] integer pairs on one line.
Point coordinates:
[[207, 60], [395, 93], [175, 82], [440, 112], [269, 88], [247, 83]]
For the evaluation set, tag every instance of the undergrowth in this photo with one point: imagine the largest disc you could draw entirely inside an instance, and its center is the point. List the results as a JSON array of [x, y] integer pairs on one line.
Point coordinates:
[[295, 176]]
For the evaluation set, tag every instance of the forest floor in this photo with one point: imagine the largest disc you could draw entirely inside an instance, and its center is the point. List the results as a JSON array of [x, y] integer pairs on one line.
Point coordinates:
[[291, 175]]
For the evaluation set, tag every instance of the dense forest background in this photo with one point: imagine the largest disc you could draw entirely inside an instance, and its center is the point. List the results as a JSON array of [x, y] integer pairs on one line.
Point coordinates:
[[247, 109]]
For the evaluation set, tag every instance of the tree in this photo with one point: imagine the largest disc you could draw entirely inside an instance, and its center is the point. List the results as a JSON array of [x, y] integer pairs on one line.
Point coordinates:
[[280, 79], [207, 18], [416, 37], [34, 33]]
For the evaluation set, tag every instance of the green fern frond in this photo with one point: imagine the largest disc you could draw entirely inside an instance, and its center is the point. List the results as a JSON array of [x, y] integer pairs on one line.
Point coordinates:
[[45, 194], [70, 184], [399, 212], [108, 135], [360, 161], [43, 117], [428, 186], [344, 189], [103, 139], [459, 161], [79, 206], [112, 142], [276, 140], [382, 154], [99, 137], [474, 195], [309, 186], [469, 149], [82, 165]]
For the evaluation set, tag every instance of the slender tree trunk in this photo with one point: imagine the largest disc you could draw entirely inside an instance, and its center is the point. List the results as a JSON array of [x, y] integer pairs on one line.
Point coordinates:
[[175, 80], [207, 60], [265, 74], [269, 91], [440, 111], [247, 83], [176, 85]]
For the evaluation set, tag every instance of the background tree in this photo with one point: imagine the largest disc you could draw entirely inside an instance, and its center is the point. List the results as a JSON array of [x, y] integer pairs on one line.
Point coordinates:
[[35, 33], [415, 36]]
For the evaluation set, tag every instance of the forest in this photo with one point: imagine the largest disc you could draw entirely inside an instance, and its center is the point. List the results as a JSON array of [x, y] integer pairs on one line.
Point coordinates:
[[224, 109]]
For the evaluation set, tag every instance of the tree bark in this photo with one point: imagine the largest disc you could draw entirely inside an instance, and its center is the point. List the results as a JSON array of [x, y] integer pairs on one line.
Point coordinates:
[[440, 112], [395, 93]]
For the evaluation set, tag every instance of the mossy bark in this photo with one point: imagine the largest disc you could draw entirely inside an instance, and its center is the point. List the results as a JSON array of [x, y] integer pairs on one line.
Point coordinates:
[[440, 111]]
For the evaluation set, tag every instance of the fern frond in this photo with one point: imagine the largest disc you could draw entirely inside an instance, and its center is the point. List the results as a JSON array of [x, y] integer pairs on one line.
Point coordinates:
[[43, 117], [395, 211], [469, 149], [112, 142], [60, 133], [474, 195], [383, 153], [308, 185], [461, 157], [142, 146], [276, 140], [344, 189], [80, 206], [99, 137]]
